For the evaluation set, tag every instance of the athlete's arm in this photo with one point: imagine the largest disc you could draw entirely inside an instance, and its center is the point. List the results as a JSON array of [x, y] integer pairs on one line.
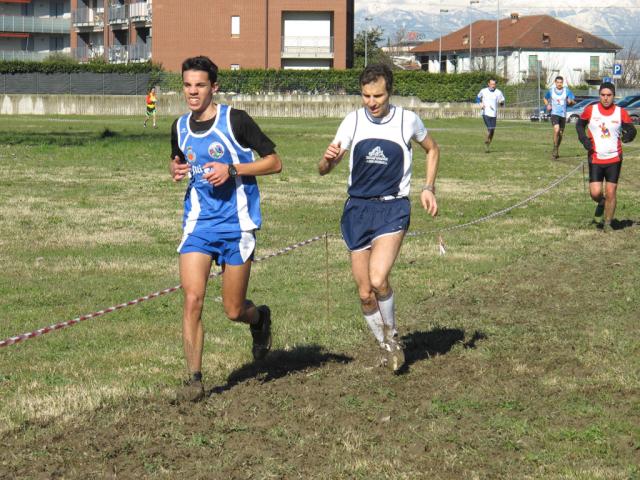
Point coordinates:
[[581, 126], [178, 167], [332, 156], [628, 128], [428, 195], [248, 134]]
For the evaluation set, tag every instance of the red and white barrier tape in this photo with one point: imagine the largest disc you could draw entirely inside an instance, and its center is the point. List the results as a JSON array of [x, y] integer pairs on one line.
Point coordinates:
[[58, 326]]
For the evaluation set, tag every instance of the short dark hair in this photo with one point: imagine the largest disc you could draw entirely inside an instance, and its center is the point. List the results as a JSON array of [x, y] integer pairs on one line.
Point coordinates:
[[608, 85], [373, 72], [492, 79], [559, 77], [203, 64]]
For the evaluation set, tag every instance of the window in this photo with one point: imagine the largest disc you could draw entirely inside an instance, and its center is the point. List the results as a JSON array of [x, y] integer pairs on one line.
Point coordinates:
[[533, 65], [465, 40], [235, 66], [235, 26], [546, 38], [594, 65]]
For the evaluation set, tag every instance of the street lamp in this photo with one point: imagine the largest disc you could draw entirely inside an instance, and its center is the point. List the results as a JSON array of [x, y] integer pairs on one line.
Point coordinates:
[[442, 10], [497, 37], [471, 2], [366, 37]]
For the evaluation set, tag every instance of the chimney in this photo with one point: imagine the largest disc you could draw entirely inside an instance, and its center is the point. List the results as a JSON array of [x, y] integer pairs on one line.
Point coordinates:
[[515, 17]]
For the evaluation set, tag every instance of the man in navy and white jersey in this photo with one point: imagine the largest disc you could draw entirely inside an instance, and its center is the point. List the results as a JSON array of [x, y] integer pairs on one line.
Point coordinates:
[[489, 98], [556, 100], [376, 214], [212, 146]]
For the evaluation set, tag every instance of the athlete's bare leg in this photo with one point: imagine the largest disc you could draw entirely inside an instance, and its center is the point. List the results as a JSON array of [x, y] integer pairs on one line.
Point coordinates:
[[371, 269], [235, 280], [194, 273], [610, 201]]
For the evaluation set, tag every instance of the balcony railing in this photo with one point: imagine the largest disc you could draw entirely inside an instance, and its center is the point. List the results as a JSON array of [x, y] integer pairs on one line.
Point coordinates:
[[88, 17], [138, 52], [118, 15], [306, 47], [140, 12], [23, 55], [13, 23], [86, 54]]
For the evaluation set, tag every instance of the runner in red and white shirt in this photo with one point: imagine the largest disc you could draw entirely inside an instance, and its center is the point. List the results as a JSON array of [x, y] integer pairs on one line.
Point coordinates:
[[602, 129]]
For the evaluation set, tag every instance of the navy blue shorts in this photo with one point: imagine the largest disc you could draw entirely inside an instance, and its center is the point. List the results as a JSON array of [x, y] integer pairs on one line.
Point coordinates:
[[490, 122], [558, 120], [364, 220]]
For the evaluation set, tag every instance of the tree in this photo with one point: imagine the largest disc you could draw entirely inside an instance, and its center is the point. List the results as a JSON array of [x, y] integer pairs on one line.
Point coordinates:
[[374, 52]]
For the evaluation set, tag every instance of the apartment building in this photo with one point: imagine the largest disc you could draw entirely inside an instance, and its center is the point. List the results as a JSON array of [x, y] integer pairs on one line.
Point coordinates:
[[239, 34], [236, 34], [116, 30], [34, 29]]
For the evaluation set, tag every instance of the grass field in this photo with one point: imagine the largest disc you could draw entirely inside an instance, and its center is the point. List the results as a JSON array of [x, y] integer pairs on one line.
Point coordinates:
[[523, 359]]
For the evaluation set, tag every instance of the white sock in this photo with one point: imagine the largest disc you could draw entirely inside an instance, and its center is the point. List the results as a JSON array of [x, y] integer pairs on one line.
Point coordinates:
[[374, 320], [387, 310]]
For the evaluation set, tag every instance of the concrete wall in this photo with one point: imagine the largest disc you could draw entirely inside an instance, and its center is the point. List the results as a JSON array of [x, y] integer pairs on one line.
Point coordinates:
[[299, 106]]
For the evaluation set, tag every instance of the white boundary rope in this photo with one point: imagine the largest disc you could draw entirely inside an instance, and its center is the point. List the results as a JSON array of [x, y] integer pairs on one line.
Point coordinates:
[[58, 326], [552, 185]]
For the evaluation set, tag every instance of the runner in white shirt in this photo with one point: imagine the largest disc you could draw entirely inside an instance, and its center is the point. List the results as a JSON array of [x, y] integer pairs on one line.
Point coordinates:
[[489, 98], [376, 215]]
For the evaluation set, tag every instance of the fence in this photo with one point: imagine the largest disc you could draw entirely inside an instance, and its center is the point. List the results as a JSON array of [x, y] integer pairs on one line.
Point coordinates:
[[268, 105], [82, 83]]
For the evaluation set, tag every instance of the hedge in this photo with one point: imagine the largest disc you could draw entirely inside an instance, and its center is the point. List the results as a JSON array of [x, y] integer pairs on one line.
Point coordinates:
[[71, 66], [428, 87]]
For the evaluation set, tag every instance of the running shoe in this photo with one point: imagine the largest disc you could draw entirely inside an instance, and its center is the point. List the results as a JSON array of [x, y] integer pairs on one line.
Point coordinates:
[[261, 333], [393, 354], [607, 228], [190, 391], [599, 209], [486, 147], [554, 154]]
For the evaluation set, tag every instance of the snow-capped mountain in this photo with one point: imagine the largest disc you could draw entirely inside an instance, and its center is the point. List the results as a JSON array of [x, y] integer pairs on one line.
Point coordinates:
[[614, 20]]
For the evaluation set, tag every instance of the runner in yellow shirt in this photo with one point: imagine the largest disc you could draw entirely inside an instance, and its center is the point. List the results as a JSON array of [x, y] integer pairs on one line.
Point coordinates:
[[151, 101]]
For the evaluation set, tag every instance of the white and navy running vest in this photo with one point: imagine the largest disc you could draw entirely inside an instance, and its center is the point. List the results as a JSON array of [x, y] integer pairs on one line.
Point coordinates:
[[380, 160], [233, 206]]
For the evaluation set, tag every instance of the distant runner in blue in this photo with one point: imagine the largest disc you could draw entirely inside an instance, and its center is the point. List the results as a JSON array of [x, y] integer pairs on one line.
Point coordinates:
[[489, 98], [556, 100], [213, 146]]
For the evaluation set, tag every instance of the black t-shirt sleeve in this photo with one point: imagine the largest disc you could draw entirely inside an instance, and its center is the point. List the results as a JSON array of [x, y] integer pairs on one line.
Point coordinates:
[[175, 149], [249, 135]]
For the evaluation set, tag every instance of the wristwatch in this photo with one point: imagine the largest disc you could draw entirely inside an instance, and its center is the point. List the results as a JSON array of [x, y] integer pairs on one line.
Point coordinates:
[[233, 172]]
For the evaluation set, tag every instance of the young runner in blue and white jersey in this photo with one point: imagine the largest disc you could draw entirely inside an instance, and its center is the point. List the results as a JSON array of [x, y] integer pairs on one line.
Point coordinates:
[[556, 100], [376, 214], [212, 145], [489, 98]]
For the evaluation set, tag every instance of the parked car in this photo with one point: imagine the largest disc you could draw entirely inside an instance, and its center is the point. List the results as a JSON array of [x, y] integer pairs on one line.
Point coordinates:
[[628, 100], [575, 110], [539, 115], [634, 112]]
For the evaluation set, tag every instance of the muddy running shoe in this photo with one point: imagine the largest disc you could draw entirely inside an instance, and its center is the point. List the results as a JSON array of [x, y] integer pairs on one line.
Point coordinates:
[[607, 228], [393, 354], [554, 154], [190, 391], [599, 210], [261, 333]]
